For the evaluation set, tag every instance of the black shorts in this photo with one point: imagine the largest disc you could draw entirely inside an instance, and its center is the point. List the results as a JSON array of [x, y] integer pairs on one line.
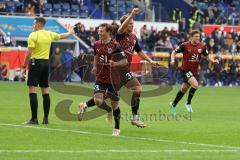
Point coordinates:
[[126, 76], [106, 88], [38, 73], [186, 75]]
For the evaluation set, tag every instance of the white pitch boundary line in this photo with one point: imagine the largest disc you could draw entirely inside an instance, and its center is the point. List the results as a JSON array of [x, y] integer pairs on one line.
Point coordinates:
[[121, 151], [125, 137]]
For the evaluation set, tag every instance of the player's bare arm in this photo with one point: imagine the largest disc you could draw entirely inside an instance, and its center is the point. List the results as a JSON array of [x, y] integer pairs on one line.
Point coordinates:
[[172, 62], [148, 59], [70, 32], [211, 59], [94, 69], [26, 60], [125, 24]]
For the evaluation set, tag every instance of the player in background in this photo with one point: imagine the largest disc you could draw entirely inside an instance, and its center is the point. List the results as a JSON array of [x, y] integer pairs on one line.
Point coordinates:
[[192, 51]]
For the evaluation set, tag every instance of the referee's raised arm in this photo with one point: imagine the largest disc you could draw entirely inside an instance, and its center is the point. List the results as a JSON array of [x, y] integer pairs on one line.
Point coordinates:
[[37, 59]]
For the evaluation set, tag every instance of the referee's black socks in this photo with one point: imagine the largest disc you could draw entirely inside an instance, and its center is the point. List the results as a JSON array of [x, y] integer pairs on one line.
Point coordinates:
[[46, 104], [190, 95], [117, 116], [34, 105]]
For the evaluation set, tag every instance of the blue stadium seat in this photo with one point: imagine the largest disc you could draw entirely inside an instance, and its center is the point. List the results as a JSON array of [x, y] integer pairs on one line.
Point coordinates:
[[121, 9], [129, 3], [112, 8], [56, 13], [140, 16], [120, 2], [113, 2], [66, 7], [75, 14], [114, 15], [66, 13], [57, 7], [84, 14], [75, 8], [10, 6], [47, 7], [84, 8], [47, 13], [129, 8]]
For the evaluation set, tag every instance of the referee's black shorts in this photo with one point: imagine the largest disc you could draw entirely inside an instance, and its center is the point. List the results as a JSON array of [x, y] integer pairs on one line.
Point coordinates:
[[38, 73]]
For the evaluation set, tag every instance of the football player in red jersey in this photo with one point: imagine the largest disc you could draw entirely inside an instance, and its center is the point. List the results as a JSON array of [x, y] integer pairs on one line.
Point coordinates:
[[192, 52], [129, 43], [105, 49]]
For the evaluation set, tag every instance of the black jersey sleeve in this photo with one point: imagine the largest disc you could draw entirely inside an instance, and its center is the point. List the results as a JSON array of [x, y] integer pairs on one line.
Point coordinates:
[[180, 48], [137, 48], [118, 54]]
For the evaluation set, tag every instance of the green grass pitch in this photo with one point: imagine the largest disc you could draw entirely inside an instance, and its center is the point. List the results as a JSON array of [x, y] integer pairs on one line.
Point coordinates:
[[211, 133]]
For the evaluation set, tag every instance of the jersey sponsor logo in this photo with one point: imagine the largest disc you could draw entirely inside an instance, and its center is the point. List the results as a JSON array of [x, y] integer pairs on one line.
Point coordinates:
[[194, 58], [110, 50], [199, 50]]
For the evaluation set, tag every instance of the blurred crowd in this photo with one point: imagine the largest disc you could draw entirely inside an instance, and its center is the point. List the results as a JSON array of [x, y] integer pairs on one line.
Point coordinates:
[[6, 39]]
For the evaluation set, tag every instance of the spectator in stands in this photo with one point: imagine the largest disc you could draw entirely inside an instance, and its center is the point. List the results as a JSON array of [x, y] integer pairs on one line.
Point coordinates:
[[1, 38], [212, 47], [204, 69], [80, 66], [153, 38], [67, 59], [238, 47], [177, 15], [192, 20], [218, 36], [197, 14], [172, 72], [232, 18], [211, 14], [2, 7], [233, 69], [8, 39], [144, 36], [218, 69], [56, 62], [228, 42], [30, 10], [82, 34], [182, 25], [92, 32], [164, 34]]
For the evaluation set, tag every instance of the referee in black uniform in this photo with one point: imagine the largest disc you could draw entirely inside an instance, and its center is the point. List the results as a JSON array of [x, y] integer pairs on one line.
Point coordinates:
[[37, 58]]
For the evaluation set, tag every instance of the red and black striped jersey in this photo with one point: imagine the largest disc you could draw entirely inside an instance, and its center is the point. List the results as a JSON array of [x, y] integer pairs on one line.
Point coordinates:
[[191, 55]]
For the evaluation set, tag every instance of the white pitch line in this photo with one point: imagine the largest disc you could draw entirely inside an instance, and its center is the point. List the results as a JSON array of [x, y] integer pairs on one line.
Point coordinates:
[[125, 137], [121, 151]]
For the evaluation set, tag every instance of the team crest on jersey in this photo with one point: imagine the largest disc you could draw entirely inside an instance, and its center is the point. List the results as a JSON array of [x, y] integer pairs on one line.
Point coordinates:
[[199, 50], [110, 50]]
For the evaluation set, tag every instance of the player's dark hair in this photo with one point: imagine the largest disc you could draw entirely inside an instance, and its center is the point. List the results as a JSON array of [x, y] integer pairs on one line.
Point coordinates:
[[193, 32], [108, 27], [40, 20], [123, 18]]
